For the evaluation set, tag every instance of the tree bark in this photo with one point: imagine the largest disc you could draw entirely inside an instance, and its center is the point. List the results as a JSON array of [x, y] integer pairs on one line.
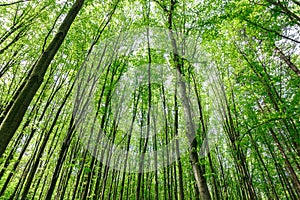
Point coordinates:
[[287, 60], [15, 115]]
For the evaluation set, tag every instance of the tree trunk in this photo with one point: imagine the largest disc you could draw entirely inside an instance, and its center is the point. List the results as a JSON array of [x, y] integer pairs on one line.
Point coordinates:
[[15, 115]]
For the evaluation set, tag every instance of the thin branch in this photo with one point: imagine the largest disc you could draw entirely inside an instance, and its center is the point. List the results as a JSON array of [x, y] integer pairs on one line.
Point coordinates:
[[287, 60], [269, 30], [52, 28], [12, 3], [161, 5]]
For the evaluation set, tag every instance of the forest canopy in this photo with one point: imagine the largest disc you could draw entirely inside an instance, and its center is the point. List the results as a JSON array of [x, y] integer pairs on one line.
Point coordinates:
[[150, 99]]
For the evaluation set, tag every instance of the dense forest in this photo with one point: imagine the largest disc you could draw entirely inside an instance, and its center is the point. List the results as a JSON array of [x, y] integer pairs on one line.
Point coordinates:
[[150, 99]]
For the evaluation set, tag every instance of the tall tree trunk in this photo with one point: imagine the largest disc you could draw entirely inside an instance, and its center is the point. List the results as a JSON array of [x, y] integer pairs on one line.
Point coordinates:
[[180, 176], [15, 115], [198, 172], [141, 162], [61, 159]]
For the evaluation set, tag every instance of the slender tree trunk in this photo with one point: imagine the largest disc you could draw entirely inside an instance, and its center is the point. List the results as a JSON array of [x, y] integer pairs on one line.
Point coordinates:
[[180, 176], [288, 61], [198, 173], [15, 115], [136, 100], [141, 162], [289, 167], [61, 159]]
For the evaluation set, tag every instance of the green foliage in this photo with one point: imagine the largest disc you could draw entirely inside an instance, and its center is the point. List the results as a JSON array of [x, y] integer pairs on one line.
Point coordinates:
[[243, 95]]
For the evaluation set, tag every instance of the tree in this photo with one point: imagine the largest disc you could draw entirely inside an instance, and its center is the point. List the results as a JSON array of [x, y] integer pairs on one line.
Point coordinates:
[[149, 99], [15, 114]]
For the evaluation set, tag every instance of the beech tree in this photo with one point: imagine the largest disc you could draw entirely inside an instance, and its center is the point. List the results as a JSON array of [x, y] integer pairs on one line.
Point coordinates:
[[149, 99]]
